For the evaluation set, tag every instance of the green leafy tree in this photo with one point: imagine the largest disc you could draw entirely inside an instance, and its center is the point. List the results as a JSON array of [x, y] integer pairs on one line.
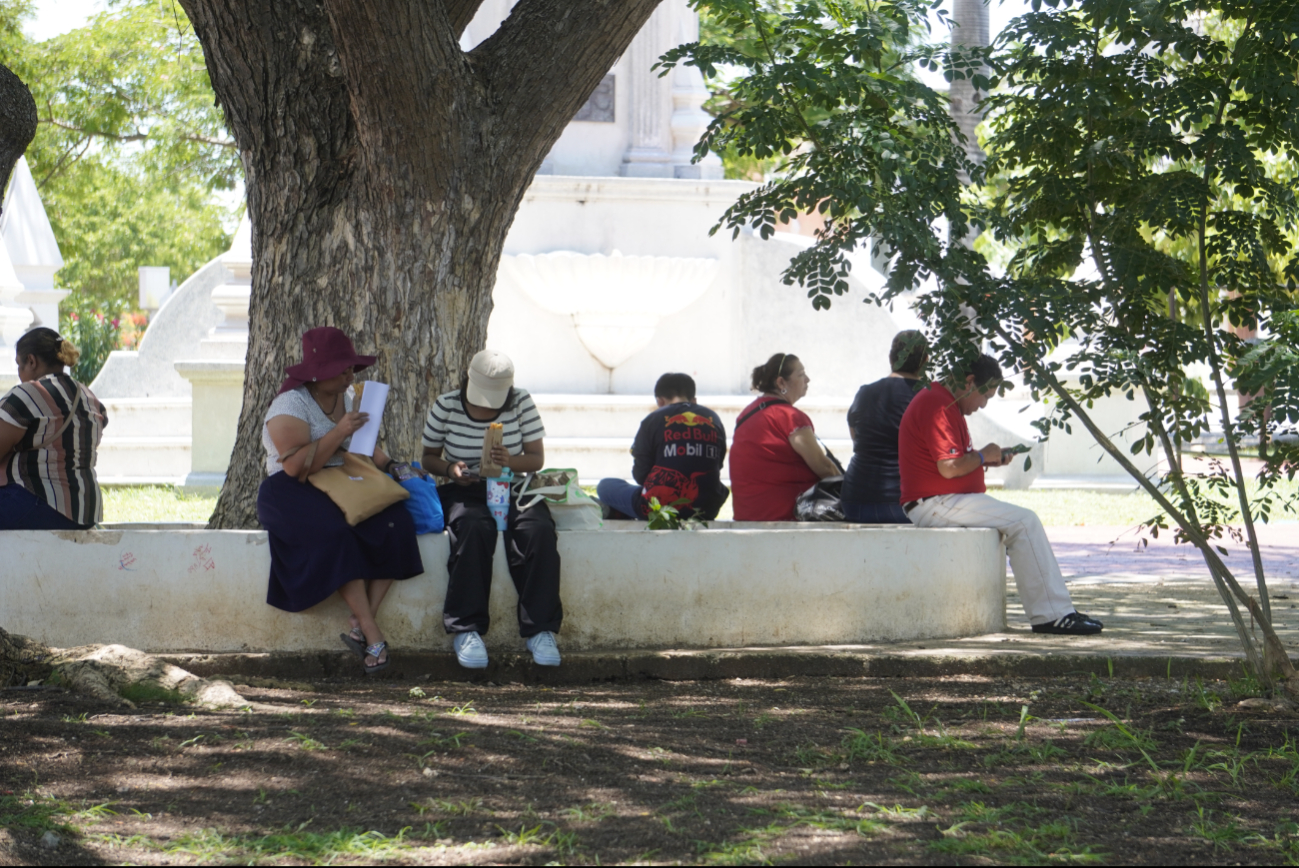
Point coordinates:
[[1137, 179], [130, 148], [829, 89], [742, 34], [1135, 141]]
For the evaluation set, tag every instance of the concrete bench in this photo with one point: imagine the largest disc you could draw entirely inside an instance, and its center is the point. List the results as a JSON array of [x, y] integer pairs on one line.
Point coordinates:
[[736, 584]]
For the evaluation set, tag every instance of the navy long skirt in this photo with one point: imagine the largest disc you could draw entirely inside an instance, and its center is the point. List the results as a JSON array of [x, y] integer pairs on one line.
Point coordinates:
[[314, 551]]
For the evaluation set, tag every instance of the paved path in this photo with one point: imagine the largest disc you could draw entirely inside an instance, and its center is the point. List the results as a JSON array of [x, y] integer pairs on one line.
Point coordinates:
[[1156, 598]]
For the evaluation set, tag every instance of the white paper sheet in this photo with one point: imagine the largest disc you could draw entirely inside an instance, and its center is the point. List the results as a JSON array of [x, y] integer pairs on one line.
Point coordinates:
[[373, 399]]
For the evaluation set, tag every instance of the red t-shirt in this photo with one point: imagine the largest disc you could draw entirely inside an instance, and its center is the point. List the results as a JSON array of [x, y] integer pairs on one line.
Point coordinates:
[[933, 428], [767, 475]]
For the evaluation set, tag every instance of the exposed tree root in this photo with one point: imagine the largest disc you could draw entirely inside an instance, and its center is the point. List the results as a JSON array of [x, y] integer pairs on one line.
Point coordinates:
[[111, 673]]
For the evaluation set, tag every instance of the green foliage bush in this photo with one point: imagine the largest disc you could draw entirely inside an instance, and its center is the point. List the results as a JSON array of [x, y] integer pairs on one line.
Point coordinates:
[[1140, 190], [95, 327], [130, 150]]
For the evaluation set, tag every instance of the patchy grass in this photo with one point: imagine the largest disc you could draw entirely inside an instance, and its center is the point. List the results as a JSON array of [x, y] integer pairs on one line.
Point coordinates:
[[155, 503], [33, 812], [1056, 507], [840, 771], [1065, 507], [342, 845]]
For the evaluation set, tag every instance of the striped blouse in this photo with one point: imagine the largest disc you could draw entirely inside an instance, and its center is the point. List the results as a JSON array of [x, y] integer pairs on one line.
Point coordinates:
[[62, 473], [449, 428]]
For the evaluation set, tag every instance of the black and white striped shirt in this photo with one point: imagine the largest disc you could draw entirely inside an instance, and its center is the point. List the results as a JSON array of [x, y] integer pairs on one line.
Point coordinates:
[[60, 471], [449, 428]]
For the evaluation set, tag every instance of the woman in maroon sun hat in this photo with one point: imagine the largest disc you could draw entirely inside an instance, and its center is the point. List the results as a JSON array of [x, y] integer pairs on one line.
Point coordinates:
[[314, 551]]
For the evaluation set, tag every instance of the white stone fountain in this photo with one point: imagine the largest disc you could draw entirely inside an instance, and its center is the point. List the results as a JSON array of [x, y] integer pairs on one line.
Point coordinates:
[[616, 302]]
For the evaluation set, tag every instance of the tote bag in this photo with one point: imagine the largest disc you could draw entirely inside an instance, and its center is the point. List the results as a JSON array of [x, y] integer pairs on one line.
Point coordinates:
[[358, 488], [570, 506]]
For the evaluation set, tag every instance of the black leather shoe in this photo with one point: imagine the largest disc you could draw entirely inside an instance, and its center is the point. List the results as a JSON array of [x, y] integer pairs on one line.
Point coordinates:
[[1073, 624]]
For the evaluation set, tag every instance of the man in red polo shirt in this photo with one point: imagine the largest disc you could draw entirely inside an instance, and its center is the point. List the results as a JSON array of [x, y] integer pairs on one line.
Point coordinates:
[[942, 486]]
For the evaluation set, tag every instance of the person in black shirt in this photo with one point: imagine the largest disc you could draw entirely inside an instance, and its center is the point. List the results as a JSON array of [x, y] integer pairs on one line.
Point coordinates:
[[872, 485], [678, 454]]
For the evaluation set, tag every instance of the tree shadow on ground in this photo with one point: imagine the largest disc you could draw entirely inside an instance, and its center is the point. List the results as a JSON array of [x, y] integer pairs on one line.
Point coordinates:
[[818, 771]]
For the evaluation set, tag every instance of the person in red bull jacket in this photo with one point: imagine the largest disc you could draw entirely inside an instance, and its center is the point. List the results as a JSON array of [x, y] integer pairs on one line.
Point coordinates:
[[678, 454]]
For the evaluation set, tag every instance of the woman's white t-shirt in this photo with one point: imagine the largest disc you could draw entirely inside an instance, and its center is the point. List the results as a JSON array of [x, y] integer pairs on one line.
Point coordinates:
[[299, 404]]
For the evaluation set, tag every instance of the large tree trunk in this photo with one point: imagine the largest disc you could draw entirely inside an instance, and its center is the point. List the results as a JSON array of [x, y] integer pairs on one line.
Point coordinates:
[[384, 166], [17, 122]]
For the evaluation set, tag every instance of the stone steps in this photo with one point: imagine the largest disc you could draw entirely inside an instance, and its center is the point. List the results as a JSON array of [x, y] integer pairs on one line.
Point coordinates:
[[136, 417], [143, 460], [134, 450], [619, 416], [594, 433]]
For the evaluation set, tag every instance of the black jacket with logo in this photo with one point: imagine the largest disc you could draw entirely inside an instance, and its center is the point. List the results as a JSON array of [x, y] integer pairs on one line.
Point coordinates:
[[678, 454]]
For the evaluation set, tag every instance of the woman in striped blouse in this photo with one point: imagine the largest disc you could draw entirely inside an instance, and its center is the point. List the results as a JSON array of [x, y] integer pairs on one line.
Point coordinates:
[[453, 447], [50, 427]]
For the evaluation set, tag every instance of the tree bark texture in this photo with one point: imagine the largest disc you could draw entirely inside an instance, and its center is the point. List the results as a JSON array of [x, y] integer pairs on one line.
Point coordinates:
[[17, 122], [384, 166]]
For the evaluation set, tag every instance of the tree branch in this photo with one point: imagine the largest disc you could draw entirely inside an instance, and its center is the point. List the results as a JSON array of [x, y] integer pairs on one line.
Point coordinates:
[[253, 49], [134, 137], [460, 13], [1215, 359], [408, 81], [1274, 651], [58, 167]]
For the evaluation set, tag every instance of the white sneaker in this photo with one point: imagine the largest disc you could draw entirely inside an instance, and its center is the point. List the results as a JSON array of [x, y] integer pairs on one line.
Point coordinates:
[[544, 650], [470, 650]]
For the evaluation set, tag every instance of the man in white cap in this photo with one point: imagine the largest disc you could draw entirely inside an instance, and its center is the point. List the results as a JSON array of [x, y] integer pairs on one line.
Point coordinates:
[[453, 445]]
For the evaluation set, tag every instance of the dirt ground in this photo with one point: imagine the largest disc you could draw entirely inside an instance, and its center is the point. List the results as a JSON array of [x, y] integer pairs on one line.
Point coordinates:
[[960, 770]]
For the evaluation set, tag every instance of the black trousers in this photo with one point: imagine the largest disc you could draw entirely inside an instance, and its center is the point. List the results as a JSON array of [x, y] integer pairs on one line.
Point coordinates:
[[529, 549]]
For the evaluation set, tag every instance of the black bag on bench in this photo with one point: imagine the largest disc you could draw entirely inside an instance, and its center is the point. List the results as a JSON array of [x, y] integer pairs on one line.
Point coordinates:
[[821, 502]]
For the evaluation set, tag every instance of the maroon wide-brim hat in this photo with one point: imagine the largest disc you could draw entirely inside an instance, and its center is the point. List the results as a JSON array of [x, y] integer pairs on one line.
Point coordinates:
[[326, 353]]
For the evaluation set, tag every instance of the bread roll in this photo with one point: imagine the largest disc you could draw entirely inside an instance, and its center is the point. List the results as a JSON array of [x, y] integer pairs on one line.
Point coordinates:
[[493, 436]]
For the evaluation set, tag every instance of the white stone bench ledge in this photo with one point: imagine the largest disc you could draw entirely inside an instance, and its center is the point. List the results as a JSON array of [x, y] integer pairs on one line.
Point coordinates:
[[168, 589]]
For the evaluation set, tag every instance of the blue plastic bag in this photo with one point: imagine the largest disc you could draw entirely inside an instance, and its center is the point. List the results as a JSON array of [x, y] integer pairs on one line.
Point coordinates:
[[424, 504]]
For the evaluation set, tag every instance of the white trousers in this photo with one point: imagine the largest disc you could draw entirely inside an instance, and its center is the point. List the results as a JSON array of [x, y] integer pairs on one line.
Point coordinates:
[[1037, 573]]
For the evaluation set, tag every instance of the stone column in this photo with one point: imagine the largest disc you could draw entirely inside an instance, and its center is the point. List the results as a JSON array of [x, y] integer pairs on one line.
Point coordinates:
[[217, 376], [689, 93], [649, 154], [969, 29]]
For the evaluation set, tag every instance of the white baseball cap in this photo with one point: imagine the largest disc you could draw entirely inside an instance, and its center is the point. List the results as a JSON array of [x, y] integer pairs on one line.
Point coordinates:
[[491, 375]]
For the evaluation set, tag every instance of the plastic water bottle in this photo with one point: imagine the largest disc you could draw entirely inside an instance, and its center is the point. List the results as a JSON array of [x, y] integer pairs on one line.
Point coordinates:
[[498, 496]]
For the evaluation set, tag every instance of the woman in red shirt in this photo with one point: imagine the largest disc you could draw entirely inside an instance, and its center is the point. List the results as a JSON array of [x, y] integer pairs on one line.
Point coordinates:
[[774, 453]]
